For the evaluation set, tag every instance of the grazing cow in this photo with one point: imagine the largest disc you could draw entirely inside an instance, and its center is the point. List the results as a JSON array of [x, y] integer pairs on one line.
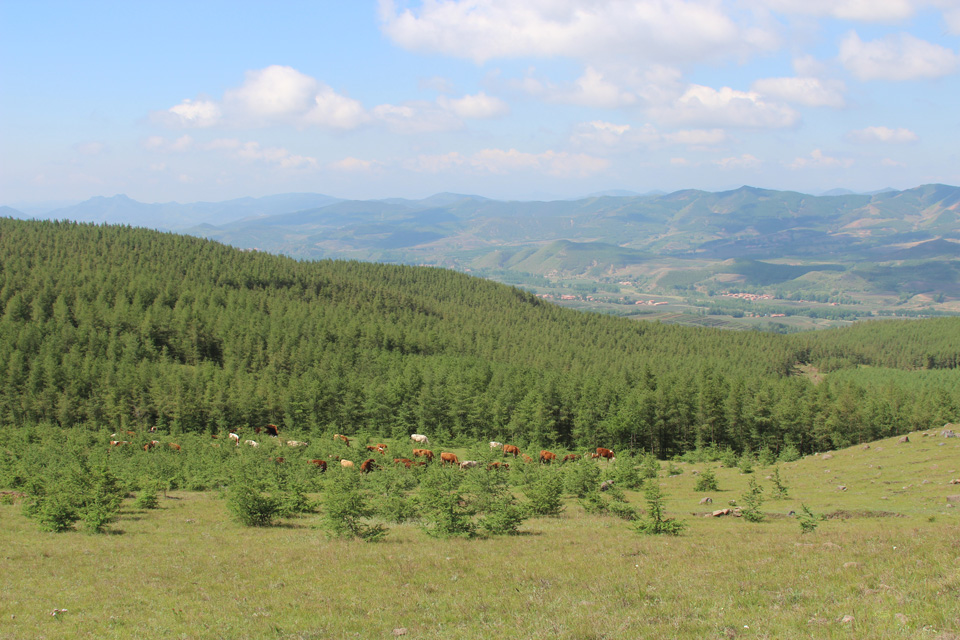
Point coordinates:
[[407, 462], [449, 458], [150, 445], [526, 458], [498, 466], [271, 430], [235, 438], [603, 453], [175, 446], [547, 456], [214, 436], [368, 465], [278, 460], [319, 464], [420, 439], [509, 449], [469, 464], [343, 439], [251, 443], [346, 464], [423, 453], [496, 445], [570, 457], [117, 443], [296, 443], [379, 448]]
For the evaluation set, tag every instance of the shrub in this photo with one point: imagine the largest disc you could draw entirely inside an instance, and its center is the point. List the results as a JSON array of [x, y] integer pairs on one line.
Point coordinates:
[[594, 502], [780, 490], [345, 510], [707, 481], [808, 519], [745, 464], [625, 473], [766, 457], [443, 511], [729, 458], [581, 478], [503, 516], [253, 508], [55, 513], [655, 523], [101, 504], [752, 501], [789, 454], [545, 494], [673, 470], [650, 467], [623, 510]]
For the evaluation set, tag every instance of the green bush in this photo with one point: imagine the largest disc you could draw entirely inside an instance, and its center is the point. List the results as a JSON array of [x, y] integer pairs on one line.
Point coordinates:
[[101, 504], [624, 472], [545, 494], [252, 508], [650, 467], [780, 490], [147, 498], [346, 509], [444, 512], [55, 512], [808, 519], [745, 464], [655, 522], [594, 502], [581, 478], [729, 458], [752, 501], [503, 516], [707, 481], [766, 457], [789, 454]]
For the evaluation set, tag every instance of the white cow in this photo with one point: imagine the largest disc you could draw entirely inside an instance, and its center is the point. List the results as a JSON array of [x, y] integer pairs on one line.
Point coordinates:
[[420, 438], [469, 464], [296, 443], [235, 438], [496, 445], [251, 443]]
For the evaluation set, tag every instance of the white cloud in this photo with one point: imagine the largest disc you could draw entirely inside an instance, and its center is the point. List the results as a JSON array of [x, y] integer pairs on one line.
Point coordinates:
[[352, 165], [640, 30], [882, 134], [190, 113], [808, 91], [252, 151], [865, 10], [708, 107], [159, 143], [890, 162], [273, 92], [416, 117], [816, 159], [697, 137], [478, 106], [334, 110], [745, 161], [506, 161], [896, 57], [602, 137]]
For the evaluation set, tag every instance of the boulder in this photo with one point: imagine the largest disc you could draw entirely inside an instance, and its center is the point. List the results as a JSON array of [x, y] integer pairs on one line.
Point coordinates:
[[842, 487], [903, 440], [707, 500], [720, 512], [953, 499]]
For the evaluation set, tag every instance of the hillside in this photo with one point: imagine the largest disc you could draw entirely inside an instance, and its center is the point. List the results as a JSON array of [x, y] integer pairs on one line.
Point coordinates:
[[129, 327]]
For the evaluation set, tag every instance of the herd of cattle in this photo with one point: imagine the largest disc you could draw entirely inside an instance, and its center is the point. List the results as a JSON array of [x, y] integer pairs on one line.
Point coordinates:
[[422, 456]]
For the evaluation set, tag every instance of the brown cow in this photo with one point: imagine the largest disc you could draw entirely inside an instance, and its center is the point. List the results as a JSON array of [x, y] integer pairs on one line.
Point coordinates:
[[498, 466], [174, 446], [379, 448], [423, 453], [449, 457], [526, 458], [570, 457], [404, 461], [272, 430], [511, 449], [117, 443], [278, 460], [547, 456], [344, 439], [603, 453], [319, 464], [150, 445], [368, 465]]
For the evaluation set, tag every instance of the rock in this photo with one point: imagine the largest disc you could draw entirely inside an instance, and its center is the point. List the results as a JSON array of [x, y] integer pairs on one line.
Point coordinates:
[[732, 503], [738, 512], [402, 631], [948, 433], [953, 498], [842, 487], [847, 619], [606, 484], [903, 440], [791, 513], [720, 512], [826, 456], [866, 446], [707, 500], [957, 481]]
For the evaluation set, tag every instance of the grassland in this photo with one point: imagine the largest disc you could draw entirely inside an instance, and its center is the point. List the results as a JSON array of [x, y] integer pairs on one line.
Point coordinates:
[[888, 554]]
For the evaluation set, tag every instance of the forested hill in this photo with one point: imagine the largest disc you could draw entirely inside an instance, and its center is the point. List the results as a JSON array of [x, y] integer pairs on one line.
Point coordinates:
[[124, 328]]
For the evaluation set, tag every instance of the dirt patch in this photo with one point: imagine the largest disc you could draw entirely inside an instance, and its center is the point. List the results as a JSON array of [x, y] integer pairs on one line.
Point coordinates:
[[843, 514]]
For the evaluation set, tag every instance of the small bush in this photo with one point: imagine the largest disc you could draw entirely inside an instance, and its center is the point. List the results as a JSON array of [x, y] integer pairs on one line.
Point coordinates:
[[345, 510], [745, 463], [650, 467], [780, 490], [789, 454], [148, 497], [707, 481], [655, 522], [594, 503], [729, 458], [503, 516], [623, 510], [766, 457], [752, 501], [673, 470], [545, 494], [808, 519], [624, 472], [581, 478], [253, 508], [101, 505], [443, 511], [55, 513]]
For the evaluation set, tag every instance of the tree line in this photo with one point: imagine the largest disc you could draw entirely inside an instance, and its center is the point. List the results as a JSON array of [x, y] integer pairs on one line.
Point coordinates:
[[123, 328]]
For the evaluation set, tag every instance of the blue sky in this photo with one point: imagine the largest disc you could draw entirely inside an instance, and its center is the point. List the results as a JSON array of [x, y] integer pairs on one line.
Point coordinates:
[[185, 101]]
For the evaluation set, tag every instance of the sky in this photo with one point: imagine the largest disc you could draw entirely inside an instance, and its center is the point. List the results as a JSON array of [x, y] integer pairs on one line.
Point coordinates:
[[509, 99]]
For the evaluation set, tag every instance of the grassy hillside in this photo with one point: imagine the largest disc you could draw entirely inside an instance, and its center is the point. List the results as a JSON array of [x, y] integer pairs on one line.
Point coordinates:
[[879, 564]]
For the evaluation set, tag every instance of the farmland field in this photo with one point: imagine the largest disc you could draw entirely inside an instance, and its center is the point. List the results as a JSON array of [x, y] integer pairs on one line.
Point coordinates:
[[887, 554]]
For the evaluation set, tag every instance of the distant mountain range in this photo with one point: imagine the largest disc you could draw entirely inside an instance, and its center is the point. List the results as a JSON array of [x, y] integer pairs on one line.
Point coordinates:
[[565, 236]]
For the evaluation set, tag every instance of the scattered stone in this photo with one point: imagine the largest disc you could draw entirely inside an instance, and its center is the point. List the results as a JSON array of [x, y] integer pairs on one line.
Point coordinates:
[[940, 444], [606, 484], [847, 619], [707, 500], [826, 456], [852, 565], [720, 512], [948, 433], [732, 503], [953, 498], [924, 435], [842, 487], [957, 481], [928, 482], [866, 446], [402, 631], [903, 440], [738, 512], [949, 506], [884, 498]]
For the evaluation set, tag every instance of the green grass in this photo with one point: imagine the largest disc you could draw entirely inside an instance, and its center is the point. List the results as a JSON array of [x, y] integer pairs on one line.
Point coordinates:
[[187, 571]]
